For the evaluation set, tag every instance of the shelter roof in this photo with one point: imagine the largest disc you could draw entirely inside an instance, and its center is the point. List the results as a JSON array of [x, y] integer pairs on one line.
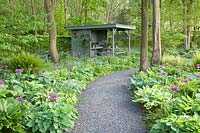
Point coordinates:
[[118, 27]]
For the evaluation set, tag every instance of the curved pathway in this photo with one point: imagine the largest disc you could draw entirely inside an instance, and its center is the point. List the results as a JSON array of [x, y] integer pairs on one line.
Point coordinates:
[[106, 107]]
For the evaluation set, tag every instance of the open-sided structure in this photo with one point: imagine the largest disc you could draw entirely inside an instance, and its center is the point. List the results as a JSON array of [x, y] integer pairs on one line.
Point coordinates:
[[93, 39]]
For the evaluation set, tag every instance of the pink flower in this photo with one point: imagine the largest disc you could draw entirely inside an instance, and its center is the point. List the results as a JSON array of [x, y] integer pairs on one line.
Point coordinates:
[[53, 96], [198, 75]]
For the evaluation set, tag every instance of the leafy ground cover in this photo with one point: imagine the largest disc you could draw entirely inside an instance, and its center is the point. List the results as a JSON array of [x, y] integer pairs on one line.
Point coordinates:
[[170, 94], [44, 100]]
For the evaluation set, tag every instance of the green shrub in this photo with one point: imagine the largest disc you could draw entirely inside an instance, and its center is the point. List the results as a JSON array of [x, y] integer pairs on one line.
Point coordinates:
[[153, 98], [12, 114], [195, 60], [178, 124], [24, 61], [141, 80], [52, 117], [174, 60]]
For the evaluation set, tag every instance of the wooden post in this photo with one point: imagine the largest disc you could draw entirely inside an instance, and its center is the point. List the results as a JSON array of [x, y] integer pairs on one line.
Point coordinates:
[[90, 43], [129, 42], [113, 42]]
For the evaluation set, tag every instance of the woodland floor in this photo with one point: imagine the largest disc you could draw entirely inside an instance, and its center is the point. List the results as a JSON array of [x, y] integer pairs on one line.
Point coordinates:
[[106, 107]]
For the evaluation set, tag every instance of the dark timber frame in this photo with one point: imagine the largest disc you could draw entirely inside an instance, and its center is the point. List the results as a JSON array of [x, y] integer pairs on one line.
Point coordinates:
[[105, 27]]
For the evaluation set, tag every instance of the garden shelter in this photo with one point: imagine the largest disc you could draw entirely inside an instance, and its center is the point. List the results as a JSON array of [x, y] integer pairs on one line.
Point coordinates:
[[93, 39]]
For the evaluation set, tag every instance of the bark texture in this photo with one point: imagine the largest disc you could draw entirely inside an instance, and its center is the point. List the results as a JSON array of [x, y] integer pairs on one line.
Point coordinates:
[[33, 13], [144, 42], [187, 7], [49, 6], [156, 56]]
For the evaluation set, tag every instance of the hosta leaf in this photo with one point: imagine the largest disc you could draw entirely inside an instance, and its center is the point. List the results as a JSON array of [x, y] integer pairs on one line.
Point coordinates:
[[30, 123], [55, 125], [187, 108], [196, 107]]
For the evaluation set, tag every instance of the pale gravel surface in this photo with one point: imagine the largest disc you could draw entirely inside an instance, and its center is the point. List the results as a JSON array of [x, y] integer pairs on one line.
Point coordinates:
[[106, 107]]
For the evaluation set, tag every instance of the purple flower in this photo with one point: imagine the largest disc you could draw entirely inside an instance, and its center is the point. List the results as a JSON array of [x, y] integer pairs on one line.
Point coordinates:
[[1, 82], [167, 64], [32, 70], [53, 96], [198, 75], [40, 73], [198, 66], [189, 79], [66, 63], [19, 71], [185, 80], [175, 88], [57, 64], [94, 59], [163, 73], [75, 53], [161, 66], [7, 71], [20, 99]]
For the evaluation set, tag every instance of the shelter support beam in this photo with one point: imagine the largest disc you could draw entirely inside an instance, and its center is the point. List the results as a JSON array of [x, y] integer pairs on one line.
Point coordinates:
[[129, 42], [113, 41]]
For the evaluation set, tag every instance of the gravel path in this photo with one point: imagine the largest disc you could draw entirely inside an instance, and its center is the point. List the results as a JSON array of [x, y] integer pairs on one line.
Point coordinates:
[[106, 107]]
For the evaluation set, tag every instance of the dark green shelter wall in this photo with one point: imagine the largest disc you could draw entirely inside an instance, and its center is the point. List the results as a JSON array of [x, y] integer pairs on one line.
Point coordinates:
[[81, 41]]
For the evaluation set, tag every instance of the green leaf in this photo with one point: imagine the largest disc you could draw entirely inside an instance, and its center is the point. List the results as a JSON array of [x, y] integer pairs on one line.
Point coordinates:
[[55, 125], [59, 131], [187, 108], [46, 124], [196, 107], [30, 123]]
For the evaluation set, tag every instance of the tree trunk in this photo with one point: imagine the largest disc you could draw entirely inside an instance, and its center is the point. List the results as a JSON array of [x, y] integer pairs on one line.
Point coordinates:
[[156, 55], [188, 37], [33, 13], [185, 29], [194, 38], [49, 6], [65, 11], [144, 33], [187, 7]]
